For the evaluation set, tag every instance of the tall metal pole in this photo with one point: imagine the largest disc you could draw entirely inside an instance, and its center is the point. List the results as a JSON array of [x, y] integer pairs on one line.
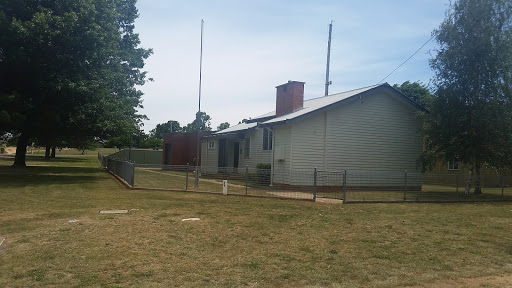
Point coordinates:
[[327, 82], [198, 116], [130, 150]]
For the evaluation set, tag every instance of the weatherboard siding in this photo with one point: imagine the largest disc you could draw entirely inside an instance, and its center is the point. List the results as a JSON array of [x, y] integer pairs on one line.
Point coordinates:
[[282, 152], [377, 135], [210, 157], [256, 152], [307, 138], [381, 132]]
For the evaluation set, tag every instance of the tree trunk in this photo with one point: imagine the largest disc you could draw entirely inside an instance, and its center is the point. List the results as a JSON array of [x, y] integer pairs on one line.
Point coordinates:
[[47, 152], [21, 151], [53, 151], [469, 180], [478, 187]]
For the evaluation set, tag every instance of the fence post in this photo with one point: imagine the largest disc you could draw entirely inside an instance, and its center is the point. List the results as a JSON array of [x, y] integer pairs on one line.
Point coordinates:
[[314, 185], [186, 179], [196, 183], [132, 177], [457, 186], [405, 185], [246, 177], [502, 189], [344, 186]]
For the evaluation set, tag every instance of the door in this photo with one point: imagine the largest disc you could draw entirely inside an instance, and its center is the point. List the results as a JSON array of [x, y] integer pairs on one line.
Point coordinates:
[[236, 154], [167, 154], [223, 157]]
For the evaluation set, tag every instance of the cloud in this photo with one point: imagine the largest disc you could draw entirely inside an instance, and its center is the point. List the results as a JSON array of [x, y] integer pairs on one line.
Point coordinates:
[[252, 46]]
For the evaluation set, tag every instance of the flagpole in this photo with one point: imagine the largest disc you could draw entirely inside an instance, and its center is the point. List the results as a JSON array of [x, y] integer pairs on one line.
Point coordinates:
[[198, 116]]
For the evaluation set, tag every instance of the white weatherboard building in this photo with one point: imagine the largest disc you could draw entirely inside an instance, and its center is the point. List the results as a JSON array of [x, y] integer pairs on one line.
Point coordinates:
[[373, 129]]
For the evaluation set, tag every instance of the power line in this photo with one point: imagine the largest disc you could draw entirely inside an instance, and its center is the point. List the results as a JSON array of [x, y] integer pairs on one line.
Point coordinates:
[[407, 59]]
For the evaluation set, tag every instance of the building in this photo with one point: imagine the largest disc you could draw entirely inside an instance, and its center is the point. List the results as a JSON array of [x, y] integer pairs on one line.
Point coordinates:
[[373, 129], [181, 148]]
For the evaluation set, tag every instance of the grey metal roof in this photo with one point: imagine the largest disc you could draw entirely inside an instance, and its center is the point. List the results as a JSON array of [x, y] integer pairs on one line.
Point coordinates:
[[264, 116], [310, 106], [318, 103], [236, 128]]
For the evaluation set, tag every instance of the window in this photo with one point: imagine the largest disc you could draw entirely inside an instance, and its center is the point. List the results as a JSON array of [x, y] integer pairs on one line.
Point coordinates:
[[211, 144], [453, 165], [247, 147], [267, 139]]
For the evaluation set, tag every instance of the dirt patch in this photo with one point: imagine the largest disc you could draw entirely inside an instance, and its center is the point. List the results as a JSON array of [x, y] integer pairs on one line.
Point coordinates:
[[10, 150], [488, 281]]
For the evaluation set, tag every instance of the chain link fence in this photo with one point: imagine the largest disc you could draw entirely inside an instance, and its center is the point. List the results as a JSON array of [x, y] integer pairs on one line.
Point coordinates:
[[239, 181], [123, 169], [311, 184]]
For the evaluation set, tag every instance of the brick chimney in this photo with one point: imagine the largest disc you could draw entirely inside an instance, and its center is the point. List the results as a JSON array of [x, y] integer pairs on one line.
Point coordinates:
[[289, 97]]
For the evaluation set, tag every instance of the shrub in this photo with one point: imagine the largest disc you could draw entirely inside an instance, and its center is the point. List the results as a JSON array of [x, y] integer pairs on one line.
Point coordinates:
[[263, 173]]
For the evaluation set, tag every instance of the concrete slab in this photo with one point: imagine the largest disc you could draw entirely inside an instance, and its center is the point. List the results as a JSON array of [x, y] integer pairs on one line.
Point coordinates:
[[329, 200], [190, 219], [114, 211], [3, 244]]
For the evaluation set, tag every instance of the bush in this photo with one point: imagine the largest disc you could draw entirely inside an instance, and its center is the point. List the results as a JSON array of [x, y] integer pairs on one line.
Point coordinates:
[[263, 173]]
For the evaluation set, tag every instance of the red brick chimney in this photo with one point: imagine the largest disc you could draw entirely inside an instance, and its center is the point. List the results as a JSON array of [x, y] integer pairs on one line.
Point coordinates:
[[289, 97]]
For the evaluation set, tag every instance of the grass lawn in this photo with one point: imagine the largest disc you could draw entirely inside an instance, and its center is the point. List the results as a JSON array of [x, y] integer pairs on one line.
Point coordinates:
[[54, 236]]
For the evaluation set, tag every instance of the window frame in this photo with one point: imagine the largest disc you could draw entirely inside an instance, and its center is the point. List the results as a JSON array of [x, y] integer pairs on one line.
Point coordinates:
[[211, 144], [268, 136], [247, 148], [453, 165]]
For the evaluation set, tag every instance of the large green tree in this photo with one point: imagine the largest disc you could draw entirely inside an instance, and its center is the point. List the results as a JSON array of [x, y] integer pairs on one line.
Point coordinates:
[[203, 121], [69, 70], [222, 126], [168, 127], [416, 91], [471, 115]]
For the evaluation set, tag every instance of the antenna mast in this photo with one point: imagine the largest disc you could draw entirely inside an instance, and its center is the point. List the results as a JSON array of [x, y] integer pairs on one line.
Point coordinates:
[[327, 82], [198, 115]]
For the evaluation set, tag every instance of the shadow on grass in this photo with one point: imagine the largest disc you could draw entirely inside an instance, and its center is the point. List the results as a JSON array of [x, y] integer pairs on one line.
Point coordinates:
[[58, 159], [11, 177]]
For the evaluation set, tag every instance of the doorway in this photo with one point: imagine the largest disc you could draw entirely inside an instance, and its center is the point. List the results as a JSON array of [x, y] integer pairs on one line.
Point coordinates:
[[167, 154], [236, 154], [223, 159]]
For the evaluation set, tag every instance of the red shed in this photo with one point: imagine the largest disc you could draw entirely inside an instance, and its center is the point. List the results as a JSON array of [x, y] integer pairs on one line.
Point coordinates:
[[180, 148]]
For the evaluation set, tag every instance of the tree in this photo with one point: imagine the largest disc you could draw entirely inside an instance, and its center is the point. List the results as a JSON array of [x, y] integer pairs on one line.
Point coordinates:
[[204, 123], [117, 142], [223, 126], [70, 70], [4, 138], [168, 127], [471, 113], [415, 91], [153, 143]]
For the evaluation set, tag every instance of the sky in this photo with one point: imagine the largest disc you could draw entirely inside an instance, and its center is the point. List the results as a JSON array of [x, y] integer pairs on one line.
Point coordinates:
[[250, 47]]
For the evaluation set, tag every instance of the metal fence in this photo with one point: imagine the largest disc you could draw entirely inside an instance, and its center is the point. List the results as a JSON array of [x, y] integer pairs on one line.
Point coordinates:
[[139, 156], [123, 169], [312, 184], [239, 181]]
